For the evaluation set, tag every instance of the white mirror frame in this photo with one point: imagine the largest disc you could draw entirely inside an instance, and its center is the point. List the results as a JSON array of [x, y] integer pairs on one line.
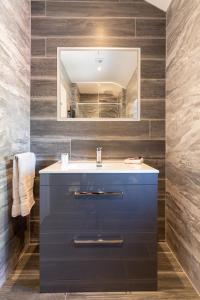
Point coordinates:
[[59, 49]]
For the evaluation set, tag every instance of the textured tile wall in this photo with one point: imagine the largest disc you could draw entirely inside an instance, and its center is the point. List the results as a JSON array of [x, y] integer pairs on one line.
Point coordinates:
[[114, 23], [15, 43], [183, 135]]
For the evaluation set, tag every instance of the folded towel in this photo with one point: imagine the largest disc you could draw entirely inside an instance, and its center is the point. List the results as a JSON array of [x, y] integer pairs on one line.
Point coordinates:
[[23, 181], [134, 160]]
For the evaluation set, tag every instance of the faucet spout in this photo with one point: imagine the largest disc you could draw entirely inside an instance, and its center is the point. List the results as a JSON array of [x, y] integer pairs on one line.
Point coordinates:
[[99, 157]]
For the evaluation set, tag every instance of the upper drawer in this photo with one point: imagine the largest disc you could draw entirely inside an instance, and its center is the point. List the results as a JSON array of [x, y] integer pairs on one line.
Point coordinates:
[[96, 179], [110, 207]]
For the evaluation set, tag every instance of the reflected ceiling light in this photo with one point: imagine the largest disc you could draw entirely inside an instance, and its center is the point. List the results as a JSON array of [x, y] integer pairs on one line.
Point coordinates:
[[99, 68], [99, 61]]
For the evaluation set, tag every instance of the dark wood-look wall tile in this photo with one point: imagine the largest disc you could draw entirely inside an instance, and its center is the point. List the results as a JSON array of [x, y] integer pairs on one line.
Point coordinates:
[[161, 208], [86, 149], [150, 48], [153, 89], [153, 51], [50, 147], [37, 187], [43, 163], [43, 88], [44, 67], [108, 23], [94, 129], [38, 47], [161, 187], [94, 0], [157, 129], [34, 231], [35, 211], [158, 164], [152, 109], [82, 27], [46, 109], [161, 229], [125, 1], [37, 8], [99, 9], [152, 69], [151, 28]]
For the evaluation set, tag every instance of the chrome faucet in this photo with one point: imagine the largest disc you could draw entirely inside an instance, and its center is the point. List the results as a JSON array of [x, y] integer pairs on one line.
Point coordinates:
[[98, 157]]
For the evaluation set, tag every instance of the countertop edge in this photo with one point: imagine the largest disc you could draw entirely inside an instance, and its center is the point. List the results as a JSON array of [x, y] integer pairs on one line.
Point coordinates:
[[48, 170]]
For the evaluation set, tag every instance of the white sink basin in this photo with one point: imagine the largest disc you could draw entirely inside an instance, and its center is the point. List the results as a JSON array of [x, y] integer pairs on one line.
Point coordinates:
[[107, 167]]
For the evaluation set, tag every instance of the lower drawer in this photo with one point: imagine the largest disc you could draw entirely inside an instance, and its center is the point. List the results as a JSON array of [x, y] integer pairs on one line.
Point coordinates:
[[98, 270], [78, 286], [97, 248], [131, 265]]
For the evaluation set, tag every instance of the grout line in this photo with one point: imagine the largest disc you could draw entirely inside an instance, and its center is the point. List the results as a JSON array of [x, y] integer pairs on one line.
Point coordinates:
[[70, 148], [135, 28], [45, 77], [54, 118], [29, 229], [96, 17], [54, 57], [45, 98], [150, 79], [150, 129], [153, 99], [45, 46], [51, 78], [113, 37]]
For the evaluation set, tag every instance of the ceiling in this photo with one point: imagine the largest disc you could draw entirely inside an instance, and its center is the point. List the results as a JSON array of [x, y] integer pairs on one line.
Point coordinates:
[[102, 88], [117, 66], [162, 4]]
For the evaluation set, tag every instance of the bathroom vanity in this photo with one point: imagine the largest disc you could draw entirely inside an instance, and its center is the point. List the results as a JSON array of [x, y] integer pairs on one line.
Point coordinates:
[[98, 227]]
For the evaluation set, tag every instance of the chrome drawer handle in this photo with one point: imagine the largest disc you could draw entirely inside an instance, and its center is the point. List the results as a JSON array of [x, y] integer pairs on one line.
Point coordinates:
[[98, 242], [100, 193]]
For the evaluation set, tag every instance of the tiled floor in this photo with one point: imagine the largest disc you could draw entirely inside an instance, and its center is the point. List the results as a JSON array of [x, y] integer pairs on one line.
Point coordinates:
[[172, 282]]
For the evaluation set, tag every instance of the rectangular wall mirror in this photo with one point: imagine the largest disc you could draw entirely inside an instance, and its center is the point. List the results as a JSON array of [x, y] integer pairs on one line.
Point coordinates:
[[98, 84]]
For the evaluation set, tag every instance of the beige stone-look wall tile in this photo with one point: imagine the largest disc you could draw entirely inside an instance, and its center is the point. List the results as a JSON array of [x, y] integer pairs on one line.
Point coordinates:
[[15, 44], [183, 138]]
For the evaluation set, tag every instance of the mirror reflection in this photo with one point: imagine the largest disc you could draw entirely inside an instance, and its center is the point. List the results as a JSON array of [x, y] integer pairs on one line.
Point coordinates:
[[98, 83]]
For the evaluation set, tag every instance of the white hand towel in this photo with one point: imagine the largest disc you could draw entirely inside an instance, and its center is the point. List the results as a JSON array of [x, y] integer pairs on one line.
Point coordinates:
[[23, 181]]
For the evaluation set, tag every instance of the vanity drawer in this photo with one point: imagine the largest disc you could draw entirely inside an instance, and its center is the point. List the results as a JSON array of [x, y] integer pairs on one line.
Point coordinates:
[[95, 179], [115, 208], [103, 285], [98, 275], [98, 232], [131, 265], [95, 270], [96, 247]]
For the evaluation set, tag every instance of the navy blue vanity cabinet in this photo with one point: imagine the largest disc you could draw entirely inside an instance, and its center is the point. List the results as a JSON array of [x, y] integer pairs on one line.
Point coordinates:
[[98, 232]]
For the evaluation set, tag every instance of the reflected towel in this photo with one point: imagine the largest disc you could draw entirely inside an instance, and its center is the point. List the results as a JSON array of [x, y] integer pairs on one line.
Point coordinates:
[[23, 181]]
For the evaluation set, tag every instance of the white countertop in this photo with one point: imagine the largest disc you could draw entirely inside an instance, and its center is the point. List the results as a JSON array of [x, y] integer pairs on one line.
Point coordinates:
[[90, 167]]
